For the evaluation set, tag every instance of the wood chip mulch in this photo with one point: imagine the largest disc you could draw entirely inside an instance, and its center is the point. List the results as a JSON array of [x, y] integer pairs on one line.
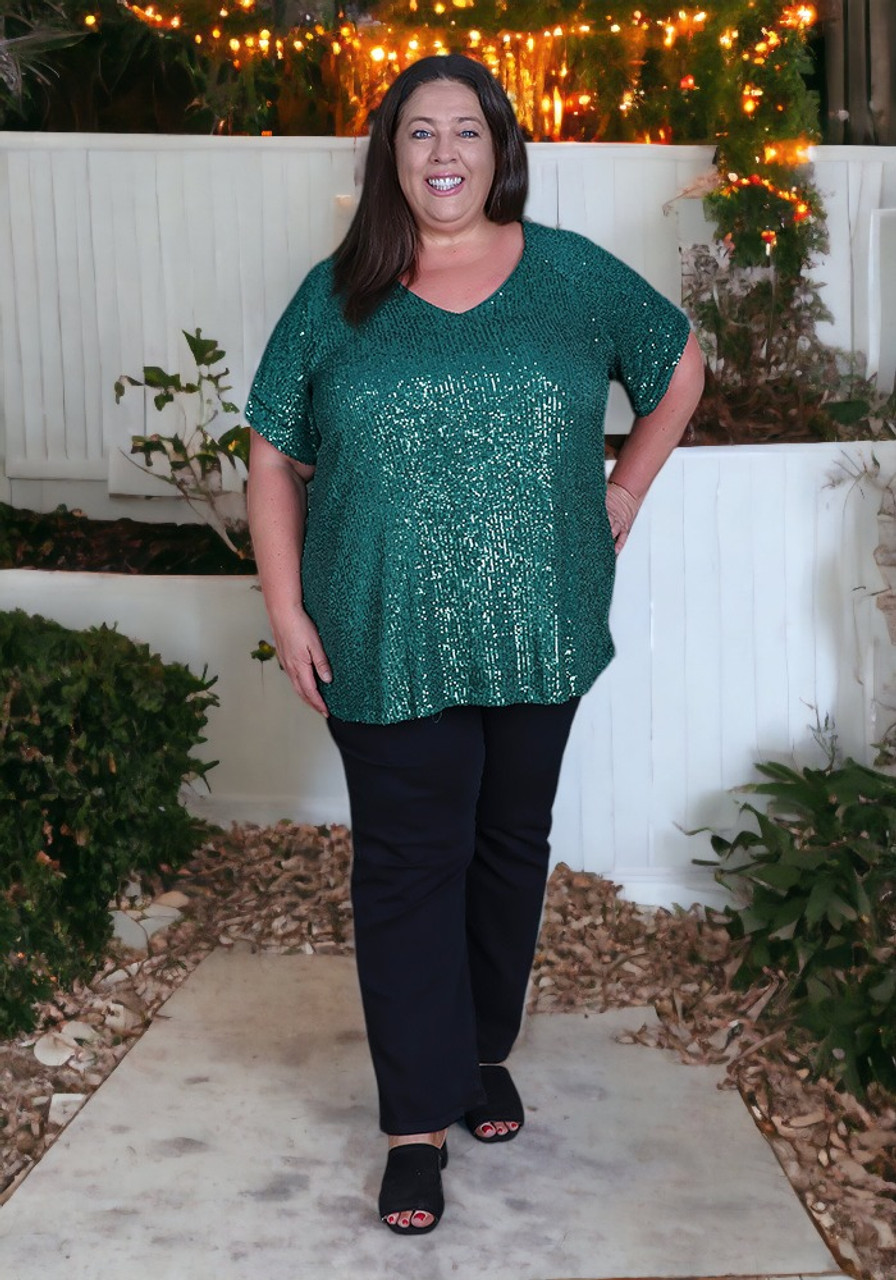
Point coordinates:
[[285, 889]]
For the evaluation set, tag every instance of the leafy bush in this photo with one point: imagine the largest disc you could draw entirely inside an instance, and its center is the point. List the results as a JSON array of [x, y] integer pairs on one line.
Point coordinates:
[[96, 735], [820, 879]]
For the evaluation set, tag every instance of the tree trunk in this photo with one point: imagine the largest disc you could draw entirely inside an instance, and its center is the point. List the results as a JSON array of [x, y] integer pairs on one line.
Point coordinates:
[[860, 56]]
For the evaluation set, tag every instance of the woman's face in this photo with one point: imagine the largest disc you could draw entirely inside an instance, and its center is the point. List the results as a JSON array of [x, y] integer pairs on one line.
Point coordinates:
[[445, 157]]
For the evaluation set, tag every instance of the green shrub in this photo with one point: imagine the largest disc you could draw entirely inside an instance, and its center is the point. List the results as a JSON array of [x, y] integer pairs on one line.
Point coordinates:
[[96, 735], [819, 877]]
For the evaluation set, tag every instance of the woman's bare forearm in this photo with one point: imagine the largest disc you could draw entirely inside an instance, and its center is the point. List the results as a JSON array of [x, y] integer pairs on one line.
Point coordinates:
[[277, 503]]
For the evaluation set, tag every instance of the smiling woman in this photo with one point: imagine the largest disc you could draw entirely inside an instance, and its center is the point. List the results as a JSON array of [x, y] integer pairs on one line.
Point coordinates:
[[445, 161], [437, 544]]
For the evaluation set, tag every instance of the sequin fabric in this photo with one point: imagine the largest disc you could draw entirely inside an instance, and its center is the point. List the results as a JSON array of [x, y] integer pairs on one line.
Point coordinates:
[[457, 548]]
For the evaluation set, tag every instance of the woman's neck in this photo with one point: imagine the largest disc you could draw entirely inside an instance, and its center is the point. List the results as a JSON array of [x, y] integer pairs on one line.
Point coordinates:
[[459, 273]]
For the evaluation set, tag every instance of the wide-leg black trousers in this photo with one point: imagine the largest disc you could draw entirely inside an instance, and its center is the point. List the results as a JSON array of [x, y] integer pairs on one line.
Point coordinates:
[[450, 820]]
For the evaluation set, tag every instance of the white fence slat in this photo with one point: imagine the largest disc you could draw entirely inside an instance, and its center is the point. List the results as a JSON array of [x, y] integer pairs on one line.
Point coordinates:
[[629, 680], [247, 269], [200, 198], [177, 260], [667, 526], [703, 741], [737, 648], [275, 216], [91, 350], [110, 280], [11, 388], [150, 300], [72, 425], [48, 318], [27, 440], [595, 798], [767, 536], [542, 204], [299, 198], [882, 298]]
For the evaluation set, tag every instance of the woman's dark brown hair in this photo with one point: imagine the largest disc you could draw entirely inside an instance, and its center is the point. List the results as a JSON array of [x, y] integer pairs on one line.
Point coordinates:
[[381, 244]]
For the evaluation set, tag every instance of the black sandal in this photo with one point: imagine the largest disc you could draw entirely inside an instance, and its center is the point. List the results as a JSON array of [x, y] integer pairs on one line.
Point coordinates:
[[413, 1180], [502, 1103]]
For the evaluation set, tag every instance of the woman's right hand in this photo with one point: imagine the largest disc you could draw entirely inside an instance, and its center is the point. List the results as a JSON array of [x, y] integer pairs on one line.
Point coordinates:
[[302, 657]]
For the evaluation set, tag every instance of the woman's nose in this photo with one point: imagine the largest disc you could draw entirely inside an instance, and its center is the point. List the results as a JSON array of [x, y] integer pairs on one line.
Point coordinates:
[[443, 149]]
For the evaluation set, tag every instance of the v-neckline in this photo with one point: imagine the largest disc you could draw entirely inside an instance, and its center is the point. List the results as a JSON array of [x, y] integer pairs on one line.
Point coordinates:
[[447, 311]]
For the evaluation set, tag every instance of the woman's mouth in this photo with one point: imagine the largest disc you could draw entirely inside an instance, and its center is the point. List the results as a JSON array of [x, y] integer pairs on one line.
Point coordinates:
[[443, 186]]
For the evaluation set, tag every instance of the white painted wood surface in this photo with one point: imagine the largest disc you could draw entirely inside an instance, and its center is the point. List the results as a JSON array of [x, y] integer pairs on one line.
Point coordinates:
[[744, 601], [110, 245]]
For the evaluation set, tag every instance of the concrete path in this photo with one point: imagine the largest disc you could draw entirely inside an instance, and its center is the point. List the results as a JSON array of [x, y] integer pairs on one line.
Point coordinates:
[[237, 1141]]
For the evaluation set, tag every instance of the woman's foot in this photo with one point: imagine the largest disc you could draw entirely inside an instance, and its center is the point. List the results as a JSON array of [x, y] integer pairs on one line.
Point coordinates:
[[502, 1100], [411, 1200]]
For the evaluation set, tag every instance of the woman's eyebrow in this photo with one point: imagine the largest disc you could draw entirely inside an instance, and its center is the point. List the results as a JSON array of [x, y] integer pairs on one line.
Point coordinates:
[[455, 120]]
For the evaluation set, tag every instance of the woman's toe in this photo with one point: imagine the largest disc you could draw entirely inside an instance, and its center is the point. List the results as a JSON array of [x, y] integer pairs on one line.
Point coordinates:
[[486, 1130], [421, 1219]]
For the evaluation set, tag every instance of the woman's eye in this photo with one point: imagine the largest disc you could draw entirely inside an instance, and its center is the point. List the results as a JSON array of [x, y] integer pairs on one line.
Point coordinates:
[[421, 133], [469, 133]]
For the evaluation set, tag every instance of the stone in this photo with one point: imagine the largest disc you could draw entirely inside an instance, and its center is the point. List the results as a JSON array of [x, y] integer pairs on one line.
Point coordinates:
[[113, 979], [129, 932], [77, 1033], [65, 1105], [159, 911], [173, 898], [53, 1050]]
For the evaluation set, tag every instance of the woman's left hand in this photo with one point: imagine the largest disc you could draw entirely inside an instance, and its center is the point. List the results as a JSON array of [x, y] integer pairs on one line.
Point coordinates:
[[622, 507]]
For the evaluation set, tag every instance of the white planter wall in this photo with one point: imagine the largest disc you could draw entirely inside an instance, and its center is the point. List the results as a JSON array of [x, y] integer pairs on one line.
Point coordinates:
[[745, 599]]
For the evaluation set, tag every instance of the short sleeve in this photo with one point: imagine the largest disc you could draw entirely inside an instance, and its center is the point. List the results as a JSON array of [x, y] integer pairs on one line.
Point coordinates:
[[649, 334], [279, 405]]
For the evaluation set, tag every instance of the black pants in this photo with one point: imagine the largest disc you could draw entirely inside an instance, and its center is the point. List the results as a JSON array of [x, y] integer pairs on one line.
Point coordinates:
[[450, 820]]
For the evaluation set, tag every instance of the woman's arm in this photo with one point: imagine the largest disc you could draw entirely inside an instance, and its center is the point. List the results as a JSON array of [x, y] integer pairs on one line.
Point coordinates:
[[651, 441], [277, 502]]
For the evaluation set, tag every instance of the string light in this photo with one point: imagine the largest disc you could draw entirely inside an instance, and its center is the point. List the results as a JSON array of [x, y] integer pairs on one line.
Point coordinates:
[[533, 66]]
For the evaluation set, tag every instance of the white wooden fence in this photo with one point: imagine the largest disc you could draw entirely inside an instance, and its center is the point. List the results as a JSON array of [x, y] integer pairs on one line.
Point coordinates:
[[110, 245]]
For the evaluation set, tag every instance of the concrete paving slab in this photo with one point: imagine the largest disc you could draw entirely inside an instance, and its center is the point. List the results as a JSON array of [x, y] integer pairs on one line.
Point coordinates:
[[237, 1141]]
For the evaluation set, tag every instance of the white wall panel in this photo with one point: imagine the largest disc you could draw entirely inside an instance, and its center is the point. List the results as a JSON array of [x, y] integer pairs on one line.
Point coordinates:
[[744, 599]]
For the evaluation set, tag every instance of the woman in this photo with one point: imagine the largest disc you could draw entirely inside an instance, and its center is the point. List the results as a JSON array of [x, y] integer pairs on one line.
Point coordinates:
[[441, 593]]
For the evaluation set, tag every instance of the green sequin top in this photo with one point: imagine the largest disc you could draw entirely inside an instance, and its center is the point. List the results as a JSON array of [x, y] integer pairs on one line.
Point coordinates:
[[457, 547]]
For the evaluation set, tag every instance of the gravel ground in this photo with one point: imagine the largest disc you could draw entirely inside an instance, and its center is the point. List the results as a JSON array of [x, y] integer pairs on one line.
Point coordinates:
[[284, 889]]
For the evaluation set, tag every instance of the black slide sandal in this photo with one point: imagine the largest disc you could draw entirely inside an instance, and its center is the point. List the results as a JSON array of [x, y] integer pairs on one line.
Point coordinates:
[[413, 1181], [502, 1103]]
